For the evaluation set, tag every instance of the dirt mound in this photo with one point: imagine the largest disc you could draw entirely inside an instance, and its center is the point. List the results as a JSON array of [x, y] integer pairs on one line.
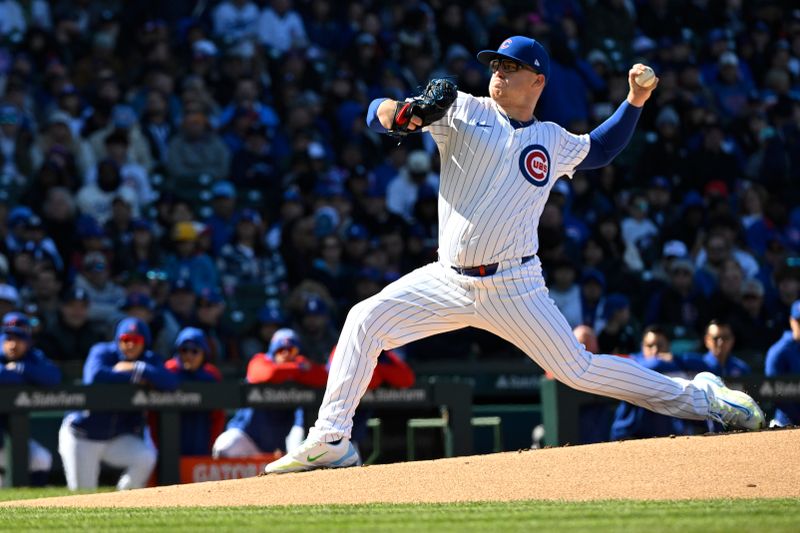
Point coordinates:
[[740, 465]]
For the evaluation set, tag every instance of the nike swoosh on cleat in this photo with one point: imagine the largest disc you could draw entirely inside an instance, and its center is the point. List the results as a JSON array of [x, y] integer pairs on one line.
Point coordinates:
[[311, 459], [740, 407]]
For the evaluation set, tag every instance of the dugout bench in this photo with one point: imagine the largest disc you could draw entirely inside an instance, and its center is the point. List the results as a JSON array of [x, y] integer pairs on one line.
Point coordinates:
[[19, 401]]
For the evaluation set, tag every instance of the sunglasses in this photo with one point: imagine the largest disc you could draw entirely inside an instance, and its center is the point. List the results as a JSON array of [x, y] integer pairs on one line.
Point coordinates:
[[508, 65], [132, 338]]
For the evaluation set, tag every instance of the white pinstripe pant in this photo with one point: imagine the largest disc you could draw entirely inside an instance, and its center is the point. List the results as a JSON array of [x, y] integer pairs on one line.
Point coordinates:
[[513, 304]]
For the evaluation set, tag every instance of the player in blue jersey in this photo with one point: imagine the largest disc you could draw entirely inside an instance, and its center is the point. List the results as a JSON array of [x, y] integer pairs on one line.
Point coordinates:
[[120, 439]]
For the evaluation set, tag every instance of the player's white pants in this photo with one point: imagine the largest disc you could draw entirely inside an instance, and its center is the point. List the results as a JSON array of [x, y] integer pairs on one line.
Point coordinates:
[[236, 443], [39, 458], [513, 304], [82, 458]]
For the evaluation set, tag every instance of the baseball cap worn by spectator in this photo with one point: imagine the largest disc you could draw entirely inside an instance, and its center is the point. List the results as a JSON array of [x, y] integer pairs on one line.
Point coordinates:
[[613, 303], [75, 294], [94, 262], [523, 50], [138, 299], [223, 189], [315, 306], [184, 232], [419, 162], [674, 249], [9, 293], [270, 315], [17, 325]]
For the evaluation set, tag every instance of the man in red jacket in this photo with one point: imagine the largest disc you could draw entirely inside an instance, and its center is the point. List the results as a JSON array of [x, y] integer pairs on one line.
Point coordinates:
[[256, 431]]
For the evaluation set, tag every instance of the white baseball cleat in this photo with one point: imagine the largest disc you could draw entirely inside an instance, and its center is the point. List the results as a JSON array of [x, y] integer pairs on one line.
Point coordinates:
[[313, 454], [730, 407]]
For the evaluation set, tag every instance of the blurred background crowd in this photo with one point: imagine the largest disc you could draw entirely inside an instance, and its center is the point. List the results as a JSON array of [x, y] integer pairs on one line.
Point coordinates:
[[207, 164]]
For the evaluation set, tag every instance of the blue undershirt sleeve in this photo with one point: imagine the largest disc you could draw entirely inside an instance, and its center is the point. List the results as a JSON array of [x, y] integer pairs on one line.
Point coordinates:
[[372, 116], [609, 138]]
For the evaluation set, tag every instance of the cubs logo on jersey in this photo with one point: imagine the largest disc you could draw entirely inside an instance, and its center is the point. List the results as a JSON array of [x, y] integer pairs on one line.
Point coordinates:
[[534, 162]]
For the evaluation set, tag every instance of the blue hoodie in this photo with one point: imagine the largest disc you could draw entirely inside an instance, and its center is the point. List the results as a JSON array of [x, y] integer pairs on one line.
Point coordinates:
[[196, 426], [783, 358], [148, 368], [33, 368]]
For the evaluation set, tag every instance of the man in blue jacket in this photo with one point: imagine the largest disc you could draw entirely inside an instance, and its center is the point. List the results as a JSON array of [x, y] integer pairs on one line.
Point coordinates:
[[118, 439], [783, 358], [633, 422], [21, 364]]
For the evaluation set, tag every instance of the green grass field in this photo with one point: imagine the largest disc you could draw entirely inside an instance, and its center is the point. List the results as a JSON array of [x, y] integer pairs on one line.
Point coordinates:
[[702, 516]]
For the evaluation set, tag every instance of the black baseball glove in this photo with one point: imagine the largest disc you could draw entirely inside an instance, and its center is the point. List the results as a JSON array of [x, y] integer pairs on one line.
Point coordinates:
[[430, 106]]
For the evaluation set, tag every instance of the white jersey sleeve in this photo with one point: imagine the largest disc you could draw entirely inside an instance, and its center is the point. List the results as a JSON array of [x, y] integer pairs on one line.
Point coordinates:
[[572, 149]]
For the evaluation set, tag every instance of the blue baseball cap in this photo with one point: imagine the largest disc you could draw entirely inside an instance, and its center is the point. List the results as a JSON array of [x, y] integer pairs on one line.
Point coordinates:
[[270, 315], [133, 326], [138, 299], [283, 338], [192, 337], [614, 302], [795, 313], [17, 324], [315, 306], [223, 189], [523, 49]]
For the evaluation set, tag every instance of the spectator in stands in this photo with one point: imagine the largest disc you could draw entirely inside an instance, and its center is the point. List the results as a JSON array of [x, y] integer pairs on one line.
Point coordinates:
[[403, 190], [235, 21], [196, 150], [95, 198], [105, 296], [121, 440], [187, 262], [619, 333], [71, 336], [222, 221], [631, 422], [22, 364], [593, 283], [140, 252], [9, 298], [268, 320], [179, 313], [719, 340], [222, 342], [15, 148], [281, 28], [246, 261], [565, 292], [315, 329], [199, 429], [783, 358], [254, 431]]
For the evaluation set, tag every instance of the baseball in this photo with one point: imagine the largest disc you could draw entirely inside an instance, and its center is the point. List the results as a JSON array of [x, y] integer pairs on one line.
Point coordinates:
[[646, 78]]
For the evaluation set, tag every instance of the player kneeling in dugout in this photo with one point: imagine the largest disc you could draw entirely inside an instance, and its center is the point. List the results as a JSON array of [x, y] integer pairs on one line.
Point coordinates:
[[119, 439]]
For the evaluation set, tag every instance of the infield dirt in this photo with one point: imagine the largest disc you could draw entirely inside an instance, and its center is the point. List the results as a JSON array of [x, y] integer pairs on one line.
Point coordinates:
[[764, 464]]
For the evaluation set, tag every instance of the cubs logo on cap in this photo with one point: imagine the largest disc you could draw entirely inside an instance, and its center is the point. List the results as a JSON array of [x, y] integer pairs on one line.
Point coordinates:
[[523, 49], [534, 163]]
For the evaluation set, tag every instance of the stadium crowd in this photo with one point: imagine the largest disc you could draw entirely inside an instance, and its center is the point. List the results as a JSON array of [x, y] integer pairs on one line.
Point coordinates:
[[207, 165]]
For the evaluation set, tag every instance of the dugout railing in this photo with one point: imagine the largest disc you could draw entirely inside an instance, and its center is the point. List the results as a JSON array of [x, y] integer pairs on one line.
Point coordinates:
[[18, 402], [561, 405]]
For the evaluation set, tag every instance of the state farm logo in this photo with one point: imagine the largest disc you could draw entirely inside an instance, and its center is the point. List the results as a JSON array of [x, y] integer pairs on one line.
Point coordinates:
[[158, 398], [50, 399], [395, 395], [280, 396]]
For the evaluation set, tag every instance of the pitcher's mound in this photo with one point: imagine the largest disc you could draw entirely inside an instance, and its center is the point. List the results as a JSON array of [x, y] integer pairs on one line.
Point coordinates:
[[739, 465]]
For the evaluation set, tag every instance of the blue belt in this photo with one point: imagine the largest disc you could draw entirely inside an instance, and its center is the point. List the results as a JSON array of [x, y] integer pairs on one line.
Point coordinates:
[[485, 270]]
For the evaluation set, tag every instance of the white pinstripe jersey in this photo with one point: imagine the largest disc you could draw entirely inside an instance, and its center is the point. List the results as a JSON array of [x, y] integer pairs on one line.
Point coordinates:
[[495, 180]]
